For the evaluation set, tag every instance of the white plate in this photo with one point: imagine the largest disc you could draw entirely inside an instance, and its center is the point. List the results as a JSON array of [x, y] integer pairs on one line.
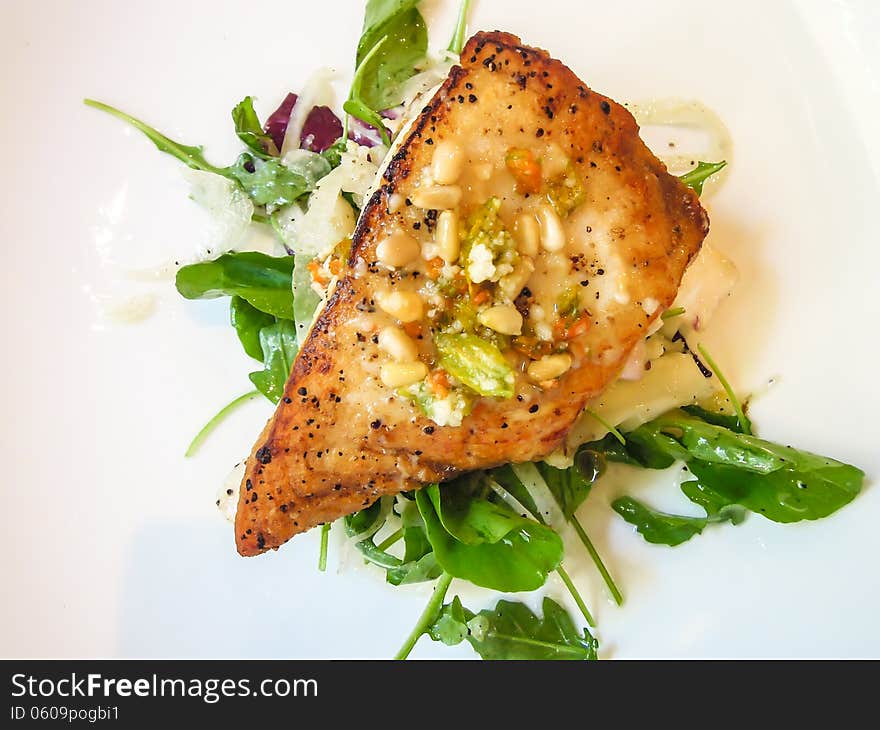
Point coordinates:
[[111, 543]]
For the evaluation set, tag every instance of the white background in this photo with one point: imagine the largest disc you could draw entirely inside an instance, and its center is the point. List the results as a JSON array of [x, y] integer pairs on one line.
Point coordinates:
[[111, 545]]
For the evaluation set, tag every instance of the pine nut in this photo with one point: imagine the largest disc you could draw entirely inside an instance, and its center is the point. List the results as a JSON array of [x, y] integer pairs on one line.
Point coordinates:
[[527, 234], [401, 374], [406, 306], [549, 367], [512, 284], [552, 232], [436, 197], [554, 162], [398, 249], [446, 236], [448, 162], [398, 344], [502, 318]]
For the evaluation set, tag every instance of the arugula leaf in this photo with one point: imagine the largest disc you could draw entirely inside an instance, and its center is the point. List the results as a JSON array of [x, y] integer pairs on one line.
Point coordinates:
[[714, 504], [248, 321], [458, 35], [367, 521], [807, 487], [278, 342], [484, 542], [382, 76], [781, 483], [393, 41], [189, 155], [268, 182], [333, 154], [702, 172], [250, 131], [692, 438], [570, 487], [730, 422], [264, 281], [658, 527], [356, 106], [418, 564], [451, 627], [512, 631]]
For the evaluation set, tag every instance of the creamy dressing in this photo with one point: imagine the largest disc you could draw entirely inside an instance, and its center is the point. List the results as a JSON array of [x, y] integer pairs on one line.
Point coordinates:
[[682, 132]]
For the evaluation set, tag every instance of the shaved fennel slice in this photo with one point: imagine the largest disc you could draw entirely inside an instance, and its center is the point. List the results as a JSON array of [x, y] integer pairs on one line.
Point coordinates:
[[306, 301], [674, 380], [541, 495], [228, 205], [511, 501]]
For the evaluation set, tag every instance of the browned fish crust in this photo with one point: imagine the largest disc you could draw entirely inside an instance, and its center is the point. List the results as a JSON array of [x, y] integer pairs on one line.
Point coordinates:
[[324, 454]]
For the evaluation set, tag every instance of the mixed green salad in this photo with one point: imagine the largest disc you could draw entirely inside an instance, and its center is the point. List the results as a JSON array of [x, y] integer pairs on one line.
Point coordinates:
[[305, 173]]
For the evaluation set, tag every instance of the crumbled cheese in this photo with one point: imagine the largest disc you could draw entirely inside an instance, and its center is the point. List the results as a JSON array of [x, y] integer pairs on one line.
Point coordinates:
[[480, 266], [448, 411], [449, 271]]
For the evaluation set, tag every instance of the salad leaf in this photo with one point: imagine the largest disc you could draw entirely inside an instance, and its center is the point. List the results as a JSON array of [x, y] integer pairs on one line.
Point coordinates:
[[665, 529], [702, 172], [728, 421], [731, 468], [395, 61], [269, 182], [333, 154], [264, 281], [249, 131], [378, 16], [278, 342], [418, 564], [570, 487], [714, 505], [478, 364], [512, 631], [248, 321], [692, 438], [451, 627], [191, 156], [357, 107], [807, 487], [484, 542], [393, 41]]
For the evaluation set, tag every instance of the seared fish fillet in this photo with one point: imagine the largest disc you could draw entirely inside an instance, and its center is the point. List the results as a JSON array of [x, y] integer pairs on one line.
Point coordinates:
[[581, 246]]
